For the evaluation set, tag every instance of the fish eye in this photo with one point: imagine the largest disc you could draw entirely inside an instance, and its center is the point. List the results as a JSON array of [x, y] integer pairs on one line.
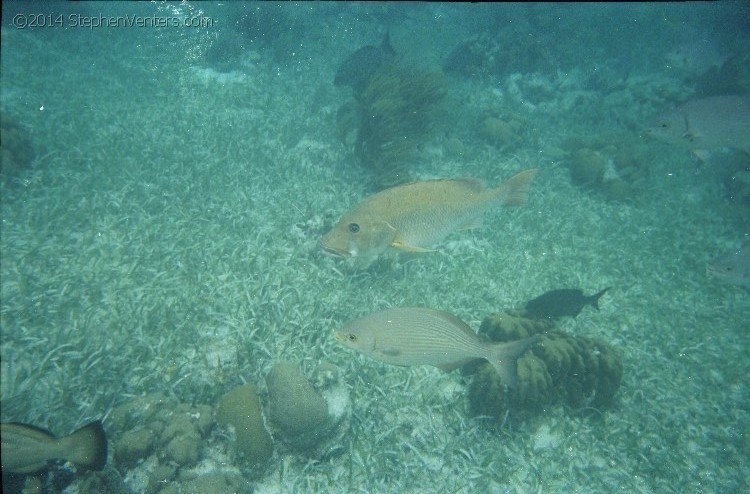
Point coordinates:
[[351, 337], [353, 228]]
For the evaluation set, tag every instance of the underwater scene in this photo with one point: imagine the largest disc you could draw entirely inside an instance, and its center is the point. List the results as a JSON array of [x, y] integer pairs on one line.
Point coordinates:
[[374, 247]]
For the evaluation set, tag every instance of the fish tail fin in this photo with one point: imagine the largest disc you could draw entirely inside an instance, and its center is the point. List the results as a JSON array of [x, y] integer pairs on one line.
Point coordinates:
[[505, 355], [513, 192], [595, 298], [87, 447]]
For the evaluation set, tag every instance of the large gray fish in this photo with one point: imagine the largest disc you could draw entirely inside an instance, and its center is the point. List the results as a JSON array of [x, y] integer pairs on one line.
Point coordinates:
[[732, 268], [715, 122], [28, 449], [418, 336]]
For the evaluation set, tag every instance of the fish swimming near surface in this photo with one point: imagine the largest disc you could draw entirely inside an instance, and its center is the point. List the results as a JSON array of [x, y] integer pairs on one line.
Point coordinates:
[[564, 302], [412, 336], [27, 449], [359, 67], [714, 122], [732, 268], [414, 216]]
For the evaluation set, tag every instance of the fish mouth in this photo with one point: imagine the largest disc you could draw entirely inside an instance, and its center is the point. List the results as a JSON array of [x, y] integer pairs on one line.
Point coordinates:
[[339, 254], [334, 252]]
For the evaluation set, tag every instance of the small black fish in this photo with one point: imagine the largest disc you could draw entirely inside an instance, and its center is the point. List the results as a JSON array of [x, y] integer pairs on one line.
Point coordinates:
[[359, 67], [565, 302]]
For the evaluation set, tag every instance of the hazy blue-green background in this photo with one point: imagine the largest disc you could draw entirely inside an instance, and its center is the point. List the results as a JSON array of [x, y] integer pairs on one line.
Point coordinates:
[[165, 238]]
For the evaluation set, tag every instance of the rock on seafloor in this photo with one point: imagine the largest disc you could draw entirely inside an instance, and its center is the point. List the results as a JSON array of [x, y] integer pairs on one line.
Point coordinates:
[[241, 409], [303, 414]]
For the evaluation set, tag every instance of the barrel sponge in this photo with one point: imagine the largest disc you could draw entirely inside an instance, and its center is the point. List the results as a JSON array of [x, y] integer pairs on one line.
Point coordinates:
[[608, 374], [241, 409], [586, 372], [536, 386], [297, 411], [511, 326], [576, 371], [487, 394]]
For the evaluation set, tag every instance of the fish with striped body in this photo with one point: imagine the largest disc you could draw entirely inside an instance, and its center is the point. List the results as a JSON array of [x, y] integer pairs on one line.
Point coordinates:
[[415, 216], [411, 336], [28, 449]]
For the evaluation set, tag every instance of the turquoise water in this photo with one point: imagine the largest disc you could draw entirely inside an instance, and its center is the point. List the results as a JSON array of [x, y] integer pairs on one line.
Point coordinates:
[[161, 236]]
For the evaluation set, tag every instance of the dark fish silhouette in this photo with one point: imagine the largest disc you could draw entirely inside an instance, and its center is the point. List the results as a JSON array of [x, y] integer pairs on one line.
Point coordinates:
[[564, 302], [357, 70]]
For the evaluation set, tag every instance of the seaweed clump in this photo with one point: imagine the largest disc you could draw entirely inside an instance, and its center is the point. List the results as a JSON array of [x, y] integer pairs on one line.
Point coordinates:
[[581, 373], [395, 112]]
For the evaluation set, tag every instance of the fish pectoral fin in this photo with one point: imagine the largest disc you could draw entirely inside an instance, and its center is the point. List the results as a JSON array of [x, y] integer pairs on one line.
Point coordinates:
[[409, 248]]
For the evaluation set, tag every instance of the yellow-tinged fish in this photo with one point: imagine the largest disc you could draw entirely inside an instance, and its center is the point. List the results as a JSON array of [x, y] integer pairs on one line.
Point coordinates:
[[418, 336], [27, 449], [414, 216]]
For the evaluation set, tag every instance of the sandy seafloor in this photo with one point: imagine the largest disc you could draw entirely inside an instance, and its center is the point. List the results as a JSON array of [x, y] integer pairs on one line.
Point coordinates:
[[166, 241]]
